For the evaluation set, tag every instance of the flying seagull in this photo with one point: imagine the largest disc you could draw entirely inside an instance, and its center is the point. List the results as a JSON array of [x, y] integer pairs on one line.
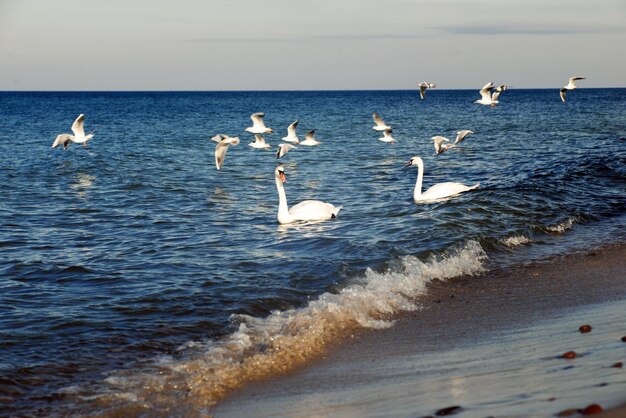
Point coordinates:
[[223, 142], [258, 126], [79, 136], [423, 86], [291, 134], [380, 124], [570, 86], [387, 136], [283, 149], [309, 139], [439, 144], [461, 135], [259, 142], [486, 97]]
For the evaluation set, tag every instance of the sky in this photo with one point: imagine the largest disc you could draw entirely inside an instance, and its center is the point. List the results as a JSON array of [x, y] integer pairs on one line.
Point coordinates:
[[309, 44]]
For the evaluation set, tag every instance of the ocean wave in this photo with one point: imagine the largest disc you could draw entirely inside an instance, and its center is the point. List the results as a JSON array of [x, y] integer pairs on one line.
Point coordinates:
[[284, 339], [563, 226], [516, 241]]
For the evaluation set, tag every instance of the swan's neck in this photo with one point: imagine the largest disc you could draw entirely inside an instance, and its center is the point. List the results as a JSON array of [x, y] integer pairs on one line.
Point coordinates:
[[283, 209], [418, 183]]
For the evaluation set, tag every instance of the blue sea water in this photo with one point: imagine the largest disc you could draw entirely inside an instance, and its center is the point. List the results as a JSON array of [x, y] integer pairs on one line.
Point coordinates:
[[120, 253]]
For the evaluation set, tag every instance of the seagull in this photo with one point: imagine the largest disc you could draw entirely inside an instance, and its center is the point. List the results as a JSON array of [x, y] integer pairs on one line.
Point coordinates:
[[440, 146], [291, 134], [380, 124], [283, 149], [258, 126], [425, 85], [496, 94], [309, 139], [460, 136], [79, 134], [570, 86], [259, 142], [387, 136], [486, 97], [223, 141]]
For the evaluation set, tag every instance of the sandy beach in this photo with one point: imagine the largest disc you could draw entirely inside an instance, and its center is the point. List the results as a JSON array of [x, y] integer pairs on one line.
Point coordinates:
[[491, 344]]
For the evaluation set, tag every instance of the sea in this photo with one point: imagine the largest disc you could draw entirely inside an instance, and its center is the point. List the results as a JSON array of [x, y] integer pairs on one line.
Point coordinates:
[[136, 278]]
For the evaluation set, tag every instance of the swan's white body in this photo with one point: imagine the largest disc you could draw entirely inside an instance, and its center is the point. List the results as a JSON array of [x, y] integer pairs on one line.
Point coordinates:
[[309, 139], [461, 135], [223, 142], [308, 210], [439, 144], [291, 134], [437, 191], [387, 137], [485, 96], [258, 126], [380, 124], [423, 86], [79, 137], [571, 85], [259, 142], [283, 149]]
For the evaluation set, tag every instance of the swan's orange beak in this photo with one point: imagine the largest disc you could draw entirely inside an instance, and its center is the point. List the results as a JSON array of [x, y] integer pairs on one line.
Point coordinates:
[[282, 176]]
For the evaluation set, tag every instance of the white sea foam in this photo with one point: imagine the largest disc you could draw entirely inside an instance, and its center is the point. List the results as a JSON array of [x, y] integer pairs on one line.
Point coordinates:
[[563, 226], [284, 339], [516, 241]]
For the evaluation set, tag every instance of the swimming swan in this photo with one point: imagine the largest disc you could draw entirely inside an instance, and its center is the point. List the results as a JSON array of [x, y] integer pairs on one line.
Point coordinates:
[[437, 191], [308, 210]]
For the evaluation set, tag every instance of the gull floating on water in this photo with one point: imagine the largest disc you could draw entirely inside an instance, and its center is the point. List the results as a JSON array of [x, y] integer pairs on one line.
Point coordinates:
[[309, 139], [291, 134], [380, 123], [439, 144], [423, 86], [486, 96], [258, 126], [461, 135], [283, 149], [223, 142], [571, 85], [79, 136], [387, 136], [259, 142]]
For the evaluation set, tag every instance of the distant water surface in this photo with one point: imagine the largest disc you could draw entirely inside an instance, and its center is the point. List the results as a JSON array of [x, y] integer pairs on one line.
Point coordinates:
[[136, 248]]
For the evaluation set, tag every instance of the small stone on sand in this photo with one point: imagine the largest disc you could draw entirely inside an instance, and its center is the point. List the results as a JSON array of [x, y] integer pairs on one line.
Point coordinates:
[[584, 328], [618, 365], [569, 355], [624, 339], [451, 410], [592, 409]]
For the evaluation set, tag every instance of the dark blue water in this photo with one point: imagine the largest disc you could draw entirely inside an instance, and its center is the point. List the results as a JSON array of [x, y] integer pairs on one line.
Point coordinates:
[[122, 251]]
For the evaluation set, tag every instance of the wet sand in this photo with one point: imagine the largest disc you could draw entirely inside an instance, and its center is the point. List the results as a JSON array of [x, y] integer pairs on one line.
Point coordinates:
[[489, 343]]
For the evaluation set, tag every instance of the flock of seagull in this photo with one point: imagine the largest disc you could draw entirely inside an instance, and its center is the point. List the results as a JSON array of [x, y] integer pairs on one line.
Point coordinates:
[[316, 210]]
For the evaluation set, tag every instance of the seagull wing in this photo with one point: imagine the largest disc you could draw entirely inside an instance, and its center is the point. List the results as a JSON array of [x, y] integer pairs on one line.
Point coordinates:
[[438, 140], [495, 95], [378, 120], [562, 94], [259, 139], [572, 79], [387, 134], [423, 88], [460, 135], [219, 137], [257, 120], [485, 92], [432, 85], [78, 126], [291, 130], [310, 135], [283, 149], [62, 139]]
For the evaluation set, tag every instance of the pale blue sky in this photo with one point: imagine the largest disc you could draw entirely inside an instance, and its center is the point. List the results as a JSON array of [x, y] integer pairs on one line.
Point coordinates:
[[308, 44]]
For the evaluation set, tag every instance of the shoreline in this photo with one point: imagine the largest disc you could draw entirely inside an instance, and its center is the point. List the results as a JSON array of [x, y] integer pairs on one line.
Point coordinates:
[[477, 315]]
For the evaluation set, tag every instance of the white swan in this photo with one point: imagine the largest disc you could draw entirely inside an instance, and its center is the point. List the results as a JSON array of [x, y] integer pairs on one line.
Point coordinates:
[[437, 191], [380, 123], [571, 85], [79, 137], [283, 149], [291, 134], [309, 139], [223, 142], [258, 126], [259, 142], [387, 136], [308, 210]]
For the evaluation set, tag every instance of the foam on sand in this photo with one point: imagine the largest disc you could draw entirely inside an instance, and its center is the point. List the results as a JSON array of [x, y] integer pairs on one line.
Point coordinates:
[[283, 340]]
